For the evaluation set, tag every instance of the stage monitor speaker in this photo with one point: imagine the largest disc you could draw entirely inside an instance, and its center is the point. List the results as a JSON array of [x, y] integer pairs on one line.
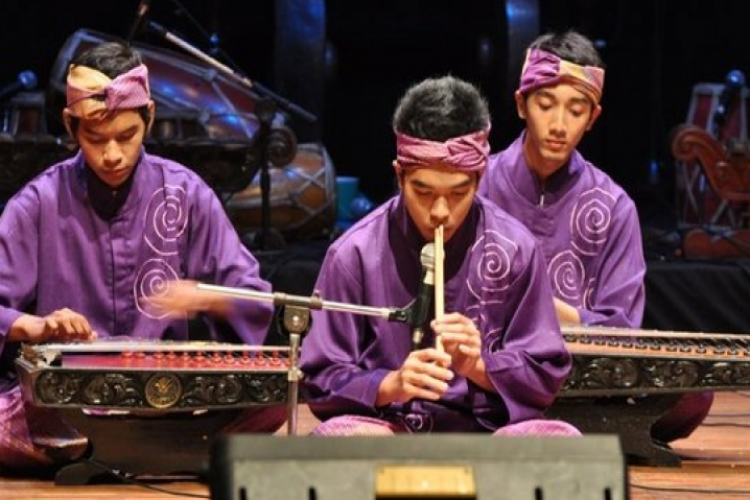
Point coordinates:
[[436, 466]]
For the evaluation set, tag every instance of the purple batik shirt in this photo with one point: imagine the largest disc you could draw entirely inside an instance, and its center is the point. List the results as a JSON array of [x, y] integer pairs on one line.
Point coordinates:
[[589, 231], [56, 251], [494, 274]]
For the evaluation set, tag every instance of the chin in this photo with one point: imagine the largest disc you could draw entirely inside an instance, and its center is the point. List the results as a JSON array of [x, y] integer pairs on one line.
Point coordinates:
[[553, 162]]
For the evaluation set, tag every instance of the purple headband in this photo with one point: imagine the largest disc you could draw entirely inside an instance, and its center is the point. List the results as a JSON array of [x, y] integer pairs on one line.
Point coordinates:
[[468, 152], [542, 69], [129, 90]]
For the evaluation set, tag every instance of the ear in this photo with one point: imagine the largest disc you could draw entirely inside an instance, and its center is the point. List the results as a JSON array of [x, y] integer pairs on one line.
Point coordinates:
[[594, 116], [67, 118], [152, 114], [520, 104], [397, 171]]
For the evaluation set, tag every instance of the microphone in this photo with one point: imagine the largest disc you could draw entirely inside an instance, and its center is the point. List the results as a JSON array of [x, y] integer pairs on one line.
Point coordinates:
[[26, 80], [733, 84], [422, 304], [140, 16]]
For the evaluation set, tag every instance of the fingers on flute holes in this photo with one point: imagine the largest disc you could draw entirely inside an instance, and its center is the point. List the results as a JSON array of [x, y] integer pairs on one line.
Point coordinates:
[[428, 390], [468, 350], [427, 394], [437, 378]]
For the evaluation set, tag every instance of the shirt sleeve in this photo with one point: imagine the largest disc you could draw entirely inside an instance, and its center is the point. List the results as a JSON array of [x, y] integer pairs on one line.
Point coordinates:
[[618, 296], [217, 256], [529, 364], [19, 241], [335, 379]]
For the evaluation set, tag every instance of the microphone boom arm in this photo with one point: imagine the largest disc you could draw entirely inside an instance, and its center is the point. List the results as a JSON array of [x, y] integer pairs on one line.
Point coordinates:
[[313, 302], [295, 304]]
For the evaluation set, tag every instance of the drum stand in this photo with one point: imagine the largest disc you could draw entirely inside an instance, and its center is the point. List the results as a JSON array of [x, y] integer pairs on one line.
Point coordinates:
[[274, 145]]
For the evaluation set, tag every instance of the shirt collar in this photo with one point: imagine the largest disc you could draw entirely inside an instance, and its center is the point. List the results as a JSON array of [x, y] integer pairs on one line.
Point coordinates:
[[529, 186], [106, 200]]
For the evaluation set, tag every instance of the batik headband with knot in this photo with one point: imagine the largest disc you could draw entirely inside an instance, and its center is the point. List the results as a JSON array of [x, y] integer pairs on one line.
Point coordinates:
[[543, 69], [468, 152], [93, 95]]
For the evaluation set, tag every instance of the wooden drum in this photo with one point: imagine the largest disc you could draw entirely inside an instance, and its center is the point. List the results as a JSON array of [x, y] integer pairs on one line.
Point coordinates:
[[302, 198]]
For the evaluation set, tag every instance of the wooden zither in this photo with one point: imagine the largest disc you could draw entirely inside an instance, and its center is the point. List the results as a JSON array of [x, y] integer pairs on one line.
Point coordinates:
[[153, 408], [624, 380], [619, 361], [154, 376], [184, 376]]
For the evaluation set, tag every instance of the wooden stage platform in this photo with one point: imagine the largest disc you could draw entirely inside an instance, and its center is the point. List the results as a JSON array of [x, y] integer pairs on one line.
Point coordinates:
[[716, 465]]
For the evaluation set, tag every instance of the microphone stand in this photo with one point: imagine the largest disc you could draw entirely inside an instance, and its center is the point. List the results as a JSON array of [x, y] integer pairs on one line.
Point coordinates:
[[265, 110], [282, 102], [296, 322], [401, 315]]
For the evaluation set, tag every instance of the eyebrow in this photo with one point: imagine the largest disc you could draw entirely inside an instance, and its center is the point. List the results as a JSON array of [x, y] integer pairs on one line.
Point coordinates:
[[129, 130], [573, 100], [465, 183]]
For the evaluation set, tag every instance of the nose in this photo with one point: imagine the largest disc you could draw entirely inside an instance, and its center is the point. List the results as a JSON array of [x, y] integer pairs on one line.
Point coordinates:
[[558, 124], [440, 211], [112, 154]]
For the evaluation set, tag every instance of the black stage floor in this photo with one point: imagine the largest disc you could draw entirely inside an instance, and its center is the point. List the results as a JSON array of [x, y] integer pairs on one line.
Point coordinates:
[[698, 295]]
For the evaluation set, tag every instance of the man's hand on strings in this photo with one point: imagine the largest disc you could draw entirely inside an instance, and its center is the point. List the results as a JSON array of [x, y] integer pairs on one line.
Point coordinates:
[[62, 325]]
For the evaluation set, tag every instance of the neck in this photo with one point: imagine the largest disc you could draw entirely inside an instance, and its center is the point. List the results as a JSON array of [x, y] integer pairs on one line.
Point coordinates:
[[541, 167]]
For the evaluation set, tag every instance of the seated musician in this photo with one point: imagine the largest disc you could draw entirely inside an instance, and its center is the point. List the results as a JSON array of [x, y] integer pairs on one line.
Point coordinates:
[[503, 357], [85, 244], [587, 224]]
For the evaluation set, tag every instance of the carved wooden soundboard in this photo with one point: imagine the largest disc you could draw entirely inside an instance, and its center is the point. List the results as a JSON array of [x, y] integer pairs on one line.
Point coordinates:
[[622, 381], [186, 376], [154, 376], [620, 361]]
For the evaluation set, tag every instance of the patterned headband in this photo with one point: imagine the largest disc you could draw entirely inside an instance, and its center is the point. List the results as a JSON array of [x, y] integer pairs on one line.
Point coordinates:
[[542, 69], [468, 152], [129, 90]]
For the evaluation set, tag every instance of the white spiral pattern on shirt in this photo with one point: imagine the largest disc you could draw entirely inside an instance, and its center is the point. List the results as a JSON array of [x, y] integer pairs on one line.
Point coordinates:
[[567, 274], [492, 268], [166, 219], [590, 221], [152, 280]]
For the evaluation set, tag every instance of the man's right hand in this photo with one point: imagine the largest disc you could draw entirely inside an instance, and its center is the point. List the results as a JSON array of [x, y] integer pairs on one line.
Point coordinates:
[[423, 375], [63, 325]]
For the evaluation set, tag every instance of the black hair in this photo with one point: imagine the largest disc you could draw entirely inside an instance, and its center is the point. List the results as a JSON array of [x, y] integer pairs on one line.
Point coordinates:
[[439, 109], [570, 46], [110, 58]]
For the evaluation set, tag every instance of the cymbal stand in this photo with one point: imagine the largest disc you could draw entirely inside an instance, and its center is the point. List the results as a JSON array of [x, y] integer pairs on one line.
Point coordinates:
[[275, 145]]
